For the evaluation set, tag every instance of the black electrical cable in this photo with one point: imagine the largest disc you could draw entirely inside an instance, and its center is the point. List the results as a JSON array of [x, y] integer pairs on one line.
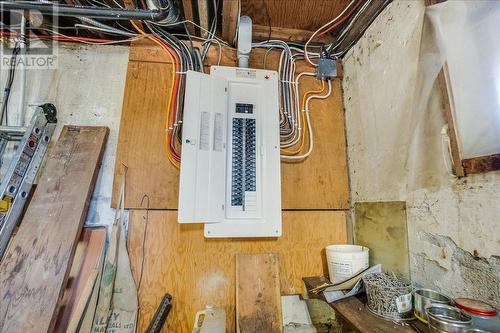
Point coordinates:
[[8, 85]]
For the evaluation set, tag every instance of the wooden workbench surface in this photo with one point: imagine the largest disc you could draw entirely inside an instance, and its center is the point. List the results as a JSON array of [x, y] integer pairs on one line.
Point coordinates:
[[355, 314]]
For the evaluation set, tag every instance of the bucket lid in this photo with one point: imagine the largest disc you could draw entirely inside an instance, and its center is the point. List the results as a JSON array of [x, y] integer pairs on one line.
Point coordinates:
[[475, 307]]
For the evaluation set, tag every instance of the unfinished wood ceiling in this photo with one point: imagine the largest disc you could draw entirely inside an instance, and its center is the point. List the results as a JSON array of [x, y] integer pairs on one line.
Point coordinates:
[[292, 14]]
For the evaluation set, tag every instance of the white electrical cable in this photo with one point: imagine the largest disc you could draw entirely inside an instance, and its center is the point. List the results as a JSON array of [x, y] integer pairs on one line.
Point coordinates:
[[298, 125], [323, 27], [309, 126], [223, 42], [22, 69]]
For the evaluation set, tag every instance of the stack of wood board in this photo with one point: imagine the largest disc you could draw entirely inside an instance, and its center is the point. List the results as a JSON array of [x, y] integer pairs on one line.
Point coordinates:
[[34, 270]]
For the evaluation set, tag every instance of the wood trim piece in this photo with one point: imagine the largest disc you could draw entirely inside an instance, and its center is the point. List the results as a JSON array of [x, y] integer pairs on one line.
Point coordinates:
[[481, 164], [448, 105], [35, 268], [361, 24]]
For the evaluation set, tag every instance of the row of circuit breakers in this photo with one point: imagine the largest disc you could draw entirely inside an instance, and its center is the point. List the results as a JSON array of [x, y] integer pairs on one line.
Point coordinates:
[[230, 166]]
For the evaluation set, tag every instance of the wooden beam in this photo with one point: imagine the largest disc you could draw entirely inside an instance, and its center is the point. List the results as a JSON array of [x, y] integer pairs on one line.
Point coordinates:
[[261, 33], [229, 20], [258, 297], [295, 14], [34, 270], [481, 164], [448, 106], [187, 6], [362, 23], [204, 16], [147, 51]]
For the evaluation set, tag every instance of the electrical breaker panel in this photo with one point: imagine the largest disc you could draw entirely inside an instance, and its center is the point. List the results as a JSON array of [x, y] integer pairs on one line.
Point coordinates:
[[230, 164]]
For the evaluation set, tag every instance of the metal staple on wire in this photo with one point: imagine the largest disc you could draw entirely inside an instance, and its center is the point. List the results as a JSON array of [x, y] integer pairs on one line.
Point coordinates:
[[382, 291]]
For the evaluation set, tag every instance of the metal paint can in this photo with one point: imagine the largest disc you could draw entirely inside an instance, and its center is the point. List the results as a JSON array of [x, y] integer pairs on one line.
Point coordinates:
[[447, 319], [484, 316], [423, 298]]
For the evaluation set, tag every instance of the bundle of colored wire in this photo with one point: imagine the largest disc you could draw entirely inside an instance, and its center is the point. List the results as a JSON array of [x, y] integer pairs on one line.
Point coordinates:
[[344, 15], [332, 50], [172, 98]]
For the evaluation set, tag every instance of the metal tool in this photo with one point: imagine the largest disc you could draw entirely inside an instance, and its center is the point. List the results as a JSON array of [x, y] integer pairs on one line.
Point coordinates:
[[161, 314], [18, 180]]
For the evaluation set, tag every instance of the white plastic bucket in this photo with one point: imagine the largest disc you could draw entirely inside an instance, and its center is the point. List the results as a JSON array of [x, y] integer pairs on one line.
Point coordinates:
[[345, 261]]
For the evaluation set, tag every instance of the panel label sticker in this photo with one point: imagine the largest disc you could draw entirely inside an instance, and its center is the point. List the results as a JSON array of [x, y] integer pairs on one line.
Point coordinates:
[[218, 132], [205, 131]]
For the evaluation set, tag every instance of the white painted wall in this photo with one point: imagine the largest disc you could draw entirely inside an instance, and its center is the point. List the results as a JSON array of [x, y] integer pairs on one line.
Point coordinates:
[[87, 89], [446, 225]]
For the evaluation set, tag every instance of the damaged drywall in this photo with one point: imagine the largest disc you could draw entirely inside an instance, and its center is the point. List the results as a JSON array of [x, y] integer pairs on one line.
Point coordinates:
[[453, 224], [86, 86]]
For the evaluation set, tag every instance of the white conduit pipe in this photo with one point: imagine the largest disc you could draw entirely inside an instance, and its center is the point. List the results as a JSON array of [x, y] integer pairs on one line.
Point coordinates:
[[309, 127]]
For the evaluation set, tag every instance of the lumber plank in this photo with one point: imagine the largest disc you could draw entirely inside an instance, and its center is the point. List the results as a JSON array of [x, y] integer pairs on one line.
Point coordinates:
[[481, 164], [323, 177], [207, 266], [34, 270], [258, 298], [81, 280]]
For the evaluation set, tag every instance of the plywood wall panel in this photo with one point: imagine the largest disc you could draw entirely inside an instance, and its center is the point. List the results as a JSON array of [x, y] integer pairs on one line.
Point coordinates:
[[322, 178], [320, 181], [199, 271], [141, 149], [296, 14]]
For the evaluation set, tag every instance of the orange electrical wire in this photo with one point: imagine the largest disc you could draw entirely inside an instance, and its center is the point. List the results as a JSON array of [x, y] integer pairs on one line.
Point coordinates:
[[303, 116], [172, 97]]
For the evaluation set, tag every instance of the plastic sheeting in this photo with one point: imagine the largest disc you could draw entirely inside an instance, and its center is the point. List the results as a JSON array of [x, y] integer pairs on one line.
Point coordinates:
[[464, 35], [471, 44]]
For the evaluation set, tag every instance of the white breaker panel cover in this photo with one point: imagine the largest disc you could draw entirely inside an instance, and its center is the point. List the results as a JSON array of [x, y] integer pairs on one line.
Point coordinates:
[[230, 164]]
